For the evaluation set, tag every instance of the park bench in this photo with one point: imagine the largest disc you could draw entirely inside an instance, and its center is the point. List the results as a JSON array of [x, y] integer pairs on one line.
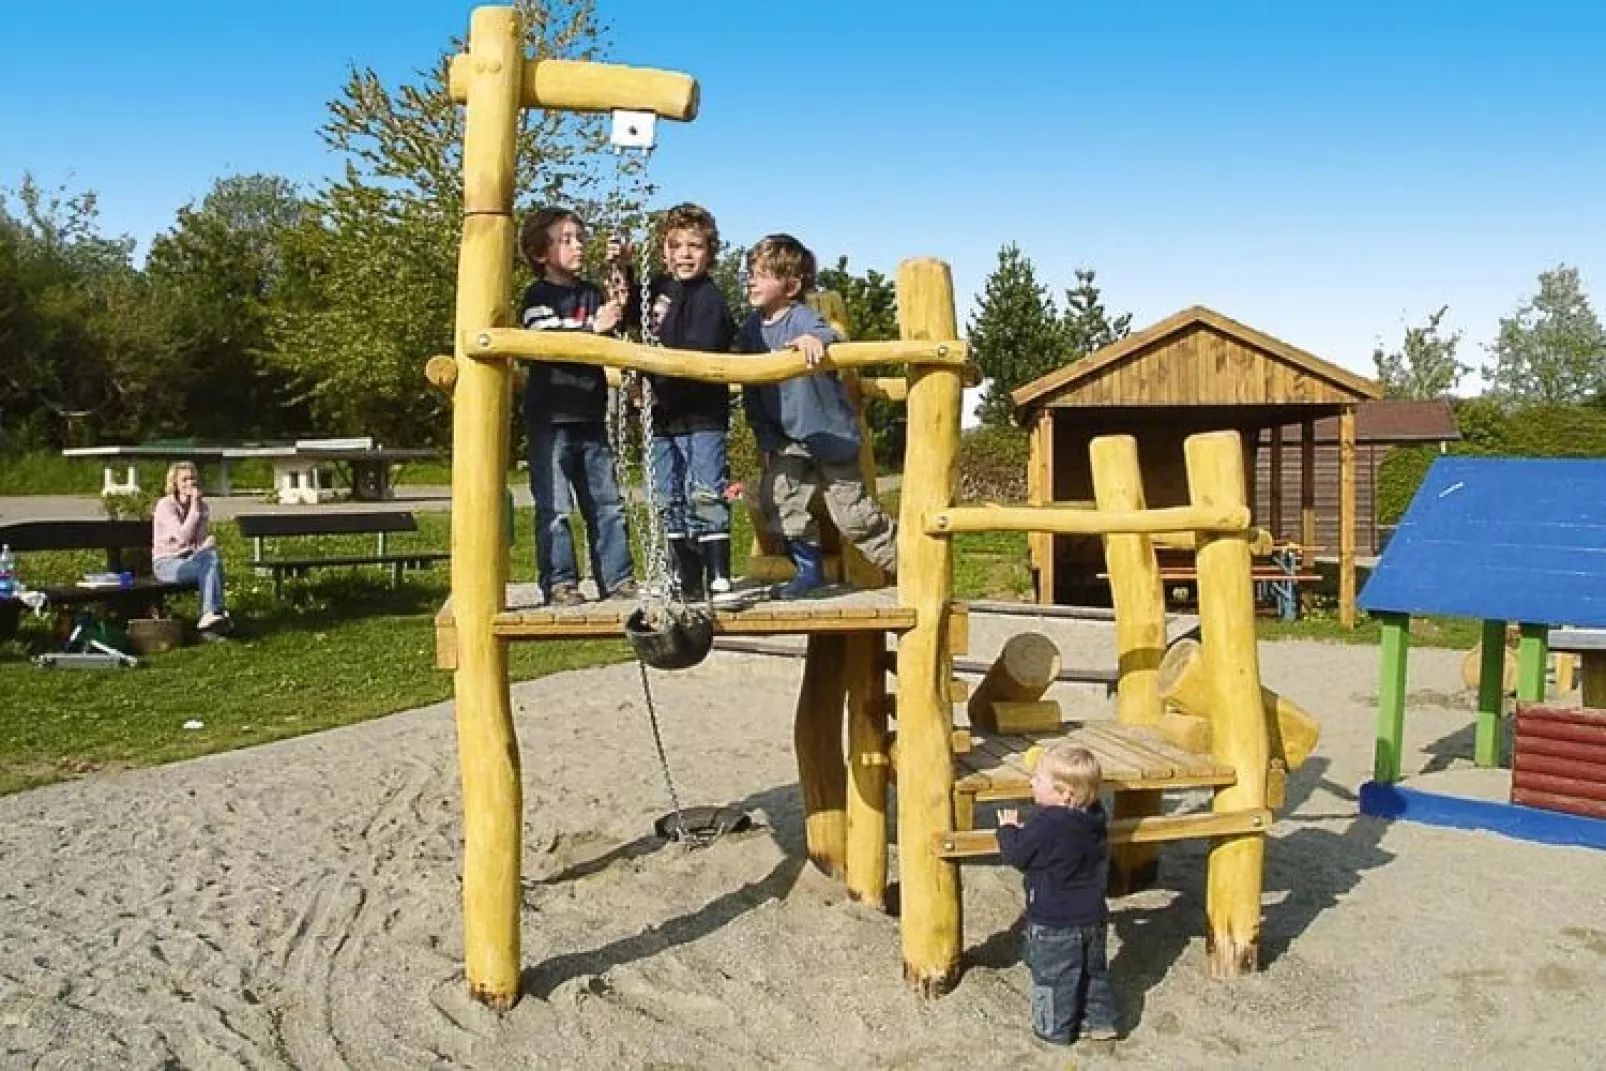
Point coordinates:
[[127, 544], [261, 527], [1276, 575]]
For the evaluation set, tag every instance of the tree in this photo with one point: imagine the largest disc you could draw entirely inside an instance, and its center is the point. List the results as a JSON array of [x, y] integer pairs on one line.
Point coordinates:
[[1425, 365], [1014, 334], [1553, 350], [373, 265], [1086, 327]]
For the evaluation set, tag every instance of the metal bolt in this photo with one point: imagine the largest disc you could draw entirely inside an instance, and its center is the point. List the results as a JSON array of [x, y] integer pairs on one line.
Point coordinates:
[[483, 340]]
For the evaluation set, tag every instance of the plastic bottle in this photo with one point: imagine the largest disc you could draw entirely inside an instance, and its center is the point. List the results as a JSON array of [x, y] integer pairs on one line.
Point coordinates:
[[8, 572]]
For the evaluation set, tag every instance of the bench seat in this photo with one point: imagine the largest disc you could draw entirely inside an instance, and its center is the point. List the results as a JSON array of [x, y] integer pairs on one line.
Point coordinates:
[[260, 527]]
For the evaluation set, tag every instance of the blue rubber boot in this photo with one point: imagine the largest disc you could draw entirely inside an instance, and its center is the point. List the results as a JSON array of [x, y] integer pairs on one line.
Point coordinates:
[[810, 570]]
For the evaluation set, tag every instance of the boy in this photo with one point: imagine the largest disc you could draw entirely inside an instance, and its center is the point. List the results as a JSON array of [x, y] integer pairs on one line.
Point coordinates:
[[691, 419], [806, 428], [565, 410], [1064, 851]]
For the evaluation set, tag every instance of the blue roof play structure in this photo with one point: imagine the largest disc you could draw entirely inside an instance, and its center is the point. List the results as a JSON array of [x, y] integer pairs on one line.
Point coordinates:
[[1505, 540]]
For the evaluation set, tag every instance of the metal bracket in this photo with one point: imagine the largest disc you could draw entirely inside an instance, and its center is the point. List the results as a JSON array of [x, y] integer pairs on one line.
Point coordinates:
[[634, 130]]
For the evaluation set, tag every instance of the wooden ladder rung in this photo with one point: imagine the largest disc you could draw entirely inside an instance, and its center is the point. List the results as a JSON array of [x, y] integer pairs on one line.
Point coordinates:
[[1151, 829]]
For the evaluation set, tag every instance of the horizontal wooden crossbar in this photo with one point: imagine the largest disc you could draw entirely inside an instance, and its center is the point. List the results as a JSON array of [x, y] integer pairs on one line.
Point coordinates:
[[576, 347], [580, 86], [1075, 521], [966, 844]]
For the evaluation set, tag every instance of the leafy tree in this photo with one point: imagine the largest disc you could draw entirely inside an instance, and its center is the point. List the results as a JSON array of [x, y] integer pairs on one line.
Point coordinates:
[[1014, 334], [1553, 350], [1425, 365], [373, 266], [1086, 327]]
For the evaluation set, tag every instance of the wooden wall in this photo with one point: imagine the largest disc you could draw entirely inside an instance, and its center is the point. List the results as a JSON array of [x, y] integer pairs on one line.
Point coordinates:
[[1367, 458]]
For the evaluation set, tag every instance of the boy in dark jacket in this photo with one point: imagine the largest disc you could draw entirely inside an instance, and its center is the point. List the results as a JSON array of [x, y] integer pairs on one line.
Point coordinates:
[[1064, 851], [566, 413], [691, 419], [805, 427]]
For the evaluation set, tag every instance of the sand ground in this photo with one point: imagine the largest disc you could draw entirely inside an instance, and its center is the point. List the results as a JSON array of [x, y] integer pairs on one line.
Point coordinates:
[[297, 905]]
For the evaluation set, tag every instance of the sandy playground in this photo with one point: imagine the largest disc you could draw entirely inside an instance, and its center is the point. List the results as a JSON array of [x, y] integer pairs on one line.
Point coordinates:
[[296, 905]]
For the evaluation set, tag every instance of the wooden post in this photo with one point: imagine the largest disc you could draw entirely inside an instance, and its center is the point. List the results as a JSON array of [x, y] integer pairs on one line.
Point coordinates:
[[1040, 491], [931, 924], [817, 734], [1346, 517], [1023, 671], [1391, 697], [1215, 463], [867, 767], [1592, 678], [1533, 643], [857, 570], [1139, 600], [488, 750], [1307, 494], [1491, 694], [1274, 521]]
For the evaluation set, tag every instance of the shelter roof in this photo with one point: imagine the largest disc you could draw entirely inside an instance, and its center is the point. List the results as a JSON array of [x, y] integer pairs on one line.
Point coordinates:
[[1390, 421]]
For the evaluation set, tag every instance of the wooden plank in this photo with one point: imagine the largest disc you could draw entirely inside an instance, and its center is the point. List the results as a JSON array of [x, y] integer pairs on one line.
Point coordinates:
[[1571, 787], [1560, 766], [1553, 802], [1035, 716], [1149, 829], [1534, 714], [1561, 749], [1552, 729], [1146, 764]]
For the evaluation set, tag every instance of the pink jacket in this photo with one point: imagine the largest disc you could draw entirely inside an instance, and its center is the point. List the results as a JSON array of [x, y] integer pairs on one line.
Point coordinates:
[[177, 531]]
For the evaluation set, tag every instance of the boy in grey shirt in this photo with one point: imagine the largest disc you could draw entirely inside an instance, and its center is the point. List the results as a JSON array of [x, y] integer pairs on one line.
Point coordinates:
[[806, 427]]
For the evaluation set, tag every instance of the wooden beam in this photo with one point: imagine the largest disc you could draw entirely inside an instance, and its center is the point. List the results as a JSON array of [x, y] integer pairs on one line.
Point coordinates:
[[867, 768], [1346, 517], [1396, 648], [1152, 829], [576, 347], [1232, 519], [579, 86], [1307, 495], [821, 768], [1275, 492], [1022, 672]]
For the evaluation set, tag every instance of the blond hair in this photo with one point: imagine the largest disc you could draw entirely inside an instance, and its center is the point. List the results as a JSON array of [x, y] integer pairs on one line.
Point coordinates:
[[170, 484], [1074, 771], [690, 217], [784, 257]]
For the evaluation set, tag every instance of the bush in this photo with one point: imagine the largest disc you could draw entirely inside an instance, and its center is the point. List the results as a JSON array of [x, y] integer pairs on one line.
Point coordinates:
[[992, 464]]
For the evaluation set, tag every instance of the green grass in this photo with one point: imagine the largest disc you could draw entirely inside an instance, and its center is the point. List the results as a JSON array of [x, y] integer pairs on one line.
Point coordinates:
[[1460, 633]]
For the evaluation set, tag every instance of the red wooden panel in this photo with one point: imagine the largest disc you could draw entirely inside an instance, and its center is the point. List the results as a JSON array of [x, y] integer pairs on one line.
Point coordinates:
[[1533, 712], [1551, 729], [1570, 787], [1526, 761], [1551, 802], [1562, 749]]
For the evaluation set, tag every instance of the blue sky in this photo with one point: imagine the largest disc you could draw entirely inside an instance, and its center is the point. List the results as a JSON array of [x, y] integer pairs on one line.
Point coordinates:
[[1327, 172]]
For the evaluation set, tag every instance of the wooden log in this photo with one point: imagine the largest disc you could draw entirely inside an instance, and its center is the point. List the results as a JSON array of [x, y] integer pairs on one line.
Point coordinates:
[[1292, 731], [931, 926], [1040, 491], [1552, 801], [867, 768], [1307, 495], [821, 767], [1560, 766], [574, 347], [1346, 517], [1022, 672], [1566, 673], [1054, 518], [1190, 732], [580, 86], [1571, 787], [441, 372], [1037, 716], [1138, 597], [1569, 732], [1531, 745], [488, 749], [1261, 542], [1235, 867], [857, 570], [1535, 716], [1151, 829], [1276, 485]]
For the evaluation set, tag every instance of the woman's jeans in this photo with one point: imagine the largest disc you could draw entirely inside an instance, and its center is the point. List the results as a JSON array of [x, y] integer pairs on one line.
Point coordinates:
[[203, 568], [1070, 981], [571, 464]]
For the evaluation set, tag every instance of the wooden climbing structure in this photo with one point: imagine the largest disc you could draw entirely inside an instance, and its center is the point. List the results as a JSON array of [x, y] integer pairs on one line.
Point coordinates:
[[846, 751]]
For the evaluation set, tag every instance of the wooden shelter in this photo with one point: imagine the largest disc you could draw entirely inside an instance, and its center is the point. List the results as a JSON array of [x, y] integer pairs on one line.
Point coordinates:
[[1194, 372]]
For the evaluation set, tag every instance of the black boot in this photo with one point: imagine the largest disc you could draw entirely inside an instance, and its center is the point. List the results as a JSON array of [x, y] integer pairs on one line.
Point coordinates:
[[688, 564], [716, 551]]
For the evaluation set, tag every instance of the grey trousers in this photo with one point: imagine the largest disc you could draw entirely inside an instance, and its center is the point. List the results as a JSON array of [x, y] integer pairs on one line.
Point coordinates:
[[790, 481]]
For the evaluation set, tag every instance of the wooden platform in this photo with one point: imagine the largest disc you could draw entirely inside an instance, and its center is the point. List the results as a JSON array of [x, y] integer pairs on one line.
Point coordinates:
[[1133, 758], [850, 611]]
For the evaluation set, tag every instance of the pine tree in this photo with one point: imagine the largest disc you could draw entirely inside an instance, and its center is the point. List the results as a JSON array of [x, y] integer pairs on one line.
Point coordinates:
[[1014, 334], [1425, 365], [1553, 350], [1086, 327]]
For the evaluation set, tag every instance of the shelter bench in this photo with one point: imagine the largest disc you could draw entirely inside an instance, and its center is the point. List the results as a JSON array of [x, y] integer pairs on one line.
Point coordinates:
[[127, 544], [261, 527]]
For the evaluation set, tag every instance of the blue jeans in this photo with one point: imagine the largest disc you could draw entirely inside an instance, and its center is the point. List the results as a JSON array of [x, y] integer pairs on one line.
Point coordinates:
[[203, 568], [1070, 980], [688, 473], [571, 464]]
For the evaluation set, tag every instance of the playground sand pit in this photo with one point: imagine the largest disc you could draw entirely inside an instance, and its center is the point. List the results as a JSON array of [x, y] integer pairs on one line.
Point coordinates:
[[297, 905]]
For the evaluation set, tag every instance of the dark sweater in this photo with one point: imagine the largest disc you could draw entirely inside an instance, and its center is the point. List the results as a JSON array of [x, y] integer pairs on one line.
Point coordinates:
[[813, 410], [563, 393], [690, 316], [1065, 853]]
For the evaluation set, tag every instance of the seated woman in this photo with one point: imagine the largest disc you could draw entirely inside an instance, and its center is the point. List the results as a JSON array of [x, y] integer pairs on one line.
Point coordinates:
[[183, 549]]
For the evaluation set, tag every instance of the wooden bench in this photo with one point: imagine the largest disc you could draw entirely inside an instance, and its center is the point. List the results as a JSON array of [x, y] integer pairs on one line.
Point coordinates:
[[260, 527], [1276, 581], [127, 544]]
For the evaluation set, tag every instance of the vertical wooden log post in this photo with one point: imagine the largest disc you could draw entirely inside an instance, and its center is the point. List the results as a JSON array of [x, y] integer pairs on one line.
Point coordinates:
[[1391, 698], [1346, 517], [1274, 517], [1307, 495], [1039, 492], [865, 669], [817, 734], [1491, 694], [1215, 463], [1139, 599], [488, 750], [931, 925]]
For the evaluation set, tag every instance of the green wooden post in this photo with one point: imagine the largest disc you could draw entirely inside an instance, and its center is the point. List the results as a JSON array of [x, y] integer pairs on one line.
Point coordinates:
[[1391, 697], [1533, 651], [1491, 694]]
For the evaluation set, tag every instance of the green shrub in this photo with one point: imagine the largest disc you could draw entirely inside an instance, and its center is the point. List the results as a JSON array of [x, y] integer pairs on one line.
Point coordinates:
[[992, 464]]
